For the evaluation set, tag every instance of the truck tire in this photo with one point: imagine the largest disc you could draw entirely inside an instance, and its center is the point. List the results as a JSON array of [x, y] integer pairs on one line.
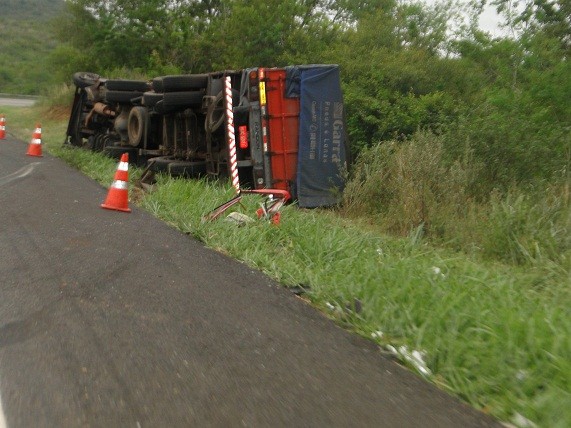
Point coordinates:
[[177, 167], [136, 125], [83, 79], [182, 100], [115, 152], [121, 97], [160, 164], [157, 84], [180, 83], [150, 99], [189, 169], [127, 85]]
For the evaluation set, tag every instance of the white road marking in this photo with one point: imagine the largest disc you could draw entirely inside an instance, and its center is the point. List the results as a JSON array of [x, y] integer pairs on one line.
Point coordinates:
[[2, 417], [21, 173]]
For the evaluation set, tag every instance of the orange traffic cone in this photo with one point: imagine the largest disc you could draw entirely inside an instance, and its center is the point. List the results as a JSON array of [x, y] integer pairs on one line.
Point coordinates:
[[2, 127], [35, 146], [118, 196]]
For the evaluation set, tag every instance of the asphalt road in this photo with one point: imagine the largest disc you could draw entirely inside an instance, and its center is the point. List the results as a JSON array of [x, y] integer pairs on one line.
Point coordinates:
[[17, 102], [110, 319]]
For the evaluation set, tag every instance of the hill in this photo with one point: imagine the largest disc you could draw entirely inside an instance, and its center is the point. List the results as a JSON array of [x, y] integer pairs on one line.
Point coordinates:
[[23, 10], [25, 43]]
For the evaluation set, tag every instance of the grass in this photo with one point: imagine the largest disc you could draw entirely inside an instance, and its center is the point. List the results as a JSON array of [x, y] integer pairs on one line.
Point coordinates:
[[497, 335]]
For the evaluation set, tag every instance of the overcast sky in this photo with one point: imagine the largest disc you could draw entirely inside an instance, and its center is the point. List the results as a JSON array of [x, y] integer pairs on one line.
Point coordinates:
[[489, 20]]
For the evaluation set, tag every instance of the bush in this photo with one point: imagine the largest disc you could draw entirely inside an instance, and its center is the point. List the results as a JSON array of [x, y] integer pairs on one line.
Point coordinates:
[[411, 187], [525, 228]]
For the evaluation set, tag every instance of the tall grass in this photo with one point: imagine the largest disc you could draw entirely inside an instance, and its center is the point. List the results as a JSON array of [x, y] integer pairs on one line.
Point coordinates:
[[495, 330], [410, 186]]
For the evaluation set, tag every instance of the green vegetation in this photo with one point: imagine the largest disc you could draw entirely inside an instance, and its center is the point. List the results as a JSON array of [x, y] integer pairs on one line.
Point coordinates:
[[26, 43], [453, 237]]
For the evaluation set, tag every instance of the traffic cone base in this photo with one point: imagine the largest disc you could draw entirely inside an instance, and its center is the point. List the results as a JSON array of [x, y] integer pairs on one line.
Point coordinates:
[[34, 150], [118, 196], [112, 206]]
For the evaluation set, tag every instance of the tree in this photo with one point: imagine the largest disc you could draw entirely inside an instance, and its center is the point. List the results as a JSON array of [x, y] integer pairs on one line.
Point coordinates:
[[119, 33]]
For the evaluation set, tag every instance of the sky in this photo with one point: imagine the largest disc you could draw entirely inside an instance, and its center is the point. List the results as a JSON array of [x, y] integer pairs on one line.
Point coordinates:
[[489, 20]]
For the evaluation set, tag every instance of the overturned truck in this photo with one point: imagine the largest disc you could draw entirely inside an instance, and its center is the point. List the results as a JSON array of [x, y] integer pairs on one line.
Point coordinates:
[[265, 128]]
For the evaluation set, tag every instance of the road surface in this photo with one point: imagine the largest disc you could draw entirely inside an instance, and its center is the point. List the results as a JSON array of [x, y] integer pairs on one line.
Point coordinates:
[[17, 102], [110, 319]]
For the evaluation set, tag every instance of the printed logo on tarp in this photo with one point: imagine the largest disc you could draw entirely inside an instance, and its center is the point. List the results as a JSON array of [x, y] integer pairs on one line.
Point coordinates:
[[326, 131], [313, 131], [326, 146], [337, 131]]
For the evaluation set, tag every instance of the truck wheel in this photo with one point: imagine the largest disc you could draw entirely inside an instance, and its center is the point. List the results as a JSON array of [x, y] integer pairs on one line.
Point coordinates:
[[172, 166], [189, 169], [136, 125], [115, 152], [127, 85], [180, 83], [180, 100], [160, 164], [150, 99], [83, 79], [157, 84], [121, 97]]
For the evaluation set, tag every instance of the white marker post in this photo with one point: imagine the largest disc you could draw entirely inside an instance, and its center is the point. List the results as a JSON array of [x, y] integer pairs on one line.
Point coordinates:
[[231, 137]]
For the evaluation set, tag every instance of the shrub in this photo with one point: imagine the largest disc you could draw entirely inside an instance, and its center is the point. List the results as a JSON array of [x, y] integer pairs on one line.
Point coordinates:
[[410, 187], [529, 228]]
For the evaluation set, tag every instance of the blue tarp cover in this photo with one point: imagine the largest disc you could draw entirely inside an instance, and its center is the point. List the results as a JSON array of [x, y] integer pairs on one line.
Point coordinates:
[[322, 137]]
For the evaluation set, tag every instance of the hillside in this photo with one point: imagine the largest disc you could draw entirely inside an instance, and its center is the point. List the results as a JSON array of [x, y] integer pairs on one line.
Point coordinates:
[[23, 10], [26, 41]]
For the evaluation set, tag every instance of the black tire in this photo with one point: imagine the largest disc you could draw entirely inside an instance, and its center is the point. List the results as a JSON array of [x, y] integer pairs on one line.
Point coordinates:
[[121, 97], [160, 164], [180, 83], [189, 169], [127, 85], [83, 79], [157, 84], [182, 100], [136, 125], [150, 99], [176, 167], [115, 152], [73, 134]]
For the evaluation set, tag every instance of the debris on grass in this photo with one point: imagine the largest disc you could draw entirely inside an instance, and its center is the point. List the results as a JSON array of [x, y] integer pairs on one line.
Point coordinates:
[[239, 218], [415, 358]]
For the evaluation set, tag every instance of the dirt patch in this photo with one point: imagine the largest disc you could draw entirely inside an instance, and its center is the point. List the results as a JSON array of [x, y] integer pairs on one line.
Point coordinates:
[[57, 112]]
